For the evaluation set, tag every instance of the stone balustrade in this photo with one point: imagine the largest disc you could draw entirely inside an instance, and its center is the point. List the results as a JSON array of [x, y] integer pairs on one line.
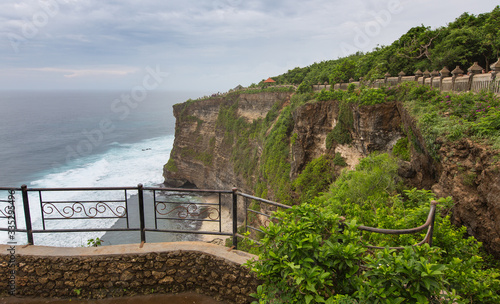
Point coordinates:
[[475, 80]]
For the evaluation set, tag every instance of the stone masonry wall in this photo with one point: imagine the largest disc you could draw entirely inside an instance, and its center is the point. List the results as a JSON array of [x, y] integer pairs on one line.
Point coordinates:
[[112, 272]]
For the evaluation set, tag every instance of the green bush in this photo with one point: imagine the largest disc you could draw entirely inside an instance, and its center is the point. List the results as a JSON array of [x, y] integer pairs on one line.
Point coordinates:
[[341, 133], [339, 160], [373, 180], [309, 259], [372, 96], [315, 178], [304, 87], [402, 149], [351, 87], [325, 95], [412, 275]]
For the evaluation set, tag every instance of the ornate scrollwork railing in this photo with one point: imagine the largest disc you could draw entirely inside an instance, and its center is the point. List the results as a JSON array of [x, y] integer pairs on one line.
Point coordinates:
[[79, 208], [190, 211], [8, 210]]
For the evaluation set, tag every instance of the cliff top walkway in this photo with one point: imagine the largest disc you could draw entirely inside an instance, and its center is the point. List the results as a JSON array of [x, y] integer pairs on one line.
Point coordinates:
[[475, 80]]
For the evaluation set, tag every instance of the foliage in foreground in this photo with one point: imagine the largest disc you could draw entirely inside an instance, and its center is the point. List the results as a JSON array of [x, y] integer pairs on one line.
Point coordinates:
[[312, 256]]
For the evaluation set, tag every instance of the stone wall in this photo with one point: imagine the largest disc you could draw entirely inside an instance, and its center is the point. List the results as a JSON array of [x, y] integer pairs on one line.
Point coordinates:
[[126, 270]]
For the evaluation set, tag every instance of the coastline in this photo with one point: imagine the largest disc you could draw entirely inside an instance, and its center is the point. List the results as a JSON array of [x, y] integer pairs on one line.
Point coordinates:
[[226, 222], [133, 237]]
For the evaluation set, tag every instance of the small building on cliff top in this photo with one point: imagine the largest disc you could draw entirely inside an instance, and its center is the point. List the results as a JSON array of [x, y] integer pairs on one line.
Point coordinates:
[[269, 80]]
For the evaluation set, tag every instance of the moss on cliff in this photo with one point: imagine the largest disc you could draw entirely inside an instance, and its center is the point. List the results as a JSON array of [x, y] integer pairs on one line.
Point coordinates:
[[341, 133], [317, 176], [242, 138], [205, 157], [171, 166]]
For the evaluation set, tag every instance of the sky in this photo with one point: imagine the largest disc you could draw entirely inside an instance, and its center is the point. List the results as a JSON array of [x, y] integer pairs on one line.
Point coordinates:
[[195, 45]]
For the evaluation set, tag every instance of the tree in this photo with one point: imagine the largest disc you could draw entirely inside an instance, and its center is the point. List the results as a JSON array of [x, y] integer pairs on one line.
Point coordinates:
[[491, 31]]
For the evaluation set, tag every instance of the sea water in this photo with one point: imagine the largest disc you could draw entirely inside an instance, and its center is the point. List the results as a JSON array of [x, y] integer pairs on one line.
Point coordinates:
[[82, 139]]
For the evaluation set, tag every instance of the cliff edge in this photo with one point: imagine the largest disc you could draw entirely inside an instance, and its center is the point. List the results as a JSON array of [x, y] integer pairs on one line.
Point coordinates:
[[261, 142]]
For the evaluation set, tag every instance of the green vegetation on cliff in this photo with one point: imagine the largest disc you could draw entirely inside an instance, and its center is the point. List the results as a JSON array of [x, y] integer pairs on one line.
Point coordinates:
[[441, 117], [468, 39], [317, 176], [318, 258], [315, 257]]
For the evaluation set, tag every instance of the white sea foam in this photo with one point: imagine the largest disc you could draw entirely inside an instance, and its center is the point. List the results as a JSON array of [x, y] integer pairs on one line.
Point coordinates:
[[122, 165]]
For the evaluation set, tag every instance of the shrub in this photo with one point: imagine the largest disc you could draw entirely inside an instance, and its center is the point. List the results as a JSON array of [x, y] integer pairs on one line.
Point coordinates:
[[372, 96], [341, 133], [304, 87], [307, 255], [339, 160], [309, 258], [412, 275], [402, 149], [351, 87], [315, 178]]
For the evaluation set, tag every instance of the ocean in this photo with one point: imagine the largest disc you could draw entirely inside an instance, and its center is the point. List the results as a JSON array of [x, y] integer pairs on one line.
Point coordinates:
[[83, 139]]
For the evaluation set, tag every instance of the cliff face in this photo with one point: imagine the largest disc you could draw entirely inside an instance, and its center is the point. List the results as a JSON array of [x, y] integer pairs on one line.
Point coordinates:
[[470, 173], [201, 154], [467, 171], [375, 128], [208, 153]]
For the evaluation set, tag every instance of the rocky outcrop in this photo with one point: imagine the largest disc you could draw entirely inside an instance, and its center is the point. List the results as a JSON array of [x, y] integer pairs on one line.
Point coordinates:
[[312, 123], [470, 173], [467, 171], [200, 155], [375, 128]]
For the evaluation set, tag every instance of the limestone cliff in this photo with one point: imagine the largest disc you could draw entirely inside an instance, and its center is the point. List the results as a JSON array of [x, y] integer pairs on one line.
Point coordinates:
[[201, 155], [375, 128], [220, 143], [468, 172]]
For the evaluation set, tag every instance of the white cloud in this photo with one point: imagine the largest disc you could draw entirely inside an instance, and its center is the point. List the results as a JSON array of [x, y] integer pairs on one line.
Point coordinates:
[[248, 39], [74, 73]]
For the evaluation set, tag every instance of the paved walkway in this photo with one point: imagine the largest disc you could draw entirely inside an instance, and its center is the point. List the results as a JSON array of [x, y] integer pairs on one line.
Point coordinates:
[[236, 256], [183, 298]]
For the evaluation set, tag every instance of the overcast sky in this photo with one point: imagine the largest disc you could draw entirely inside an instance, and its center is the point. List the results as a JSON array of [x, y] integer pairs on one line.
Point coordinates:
[[195, 45]]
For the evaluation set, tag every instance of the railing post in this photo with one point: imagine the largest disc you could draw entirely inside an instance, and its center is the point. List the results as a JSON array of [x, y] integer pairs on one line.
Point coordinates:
[[235, 218], [27, 215], [140, 193], [433, 216]]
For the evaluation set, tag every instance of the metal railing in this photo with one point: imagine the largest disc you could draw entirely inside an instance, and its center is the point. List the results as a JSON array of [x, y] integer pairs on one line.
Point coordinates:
[[429, 224], [51, 212], [258, 207], [248, 225], [157, 210]]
